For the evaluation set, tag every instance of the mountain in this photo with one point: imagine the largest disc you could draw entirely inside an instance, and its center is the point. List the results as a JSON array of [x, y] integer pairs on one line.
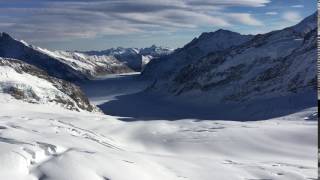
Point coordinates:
[[155, 51], [270, 65], [91, 66], [206, 43], [12, 48], [129, 56], [71, 66], [79, 66], [135, 58], [28, 83]]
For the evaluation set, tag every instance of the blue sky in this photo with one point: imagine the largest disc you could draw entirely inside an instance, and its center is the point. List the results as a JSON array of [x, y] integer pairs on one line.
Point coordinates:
[[102, 24]]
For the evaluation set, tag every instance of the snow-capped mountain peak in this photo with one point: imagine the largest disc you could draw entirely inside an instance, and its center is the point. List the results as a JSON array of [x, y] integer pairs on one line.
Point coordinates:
[[206, 43], [5, 35], [217, 40], [306, 25]]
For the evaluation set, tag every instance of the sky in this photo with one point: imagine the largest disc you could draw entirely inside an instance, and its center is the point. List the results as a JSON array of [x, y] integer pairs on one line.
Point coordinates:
[[102, 24]]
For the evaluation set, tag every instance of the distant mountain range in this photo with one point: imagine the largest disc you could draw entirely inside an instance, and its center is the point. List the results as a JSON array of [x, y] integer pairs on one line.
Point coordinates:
[[135, 58], [225, 66]]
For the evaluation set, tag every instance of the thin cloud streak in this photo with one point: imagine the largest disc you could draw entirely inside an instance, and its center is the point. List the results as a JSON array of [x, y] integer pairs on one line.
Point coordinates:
[[298, 6], [245, 19], [292, 16], [271, 13]]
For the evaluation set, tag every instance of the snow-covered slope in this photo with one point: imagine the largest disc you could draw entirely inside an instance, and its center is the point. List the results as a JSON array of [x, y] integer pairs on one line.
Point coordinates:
[[61, 64], [270, 65], [40, 142], [92, 66], [74, 65], [28, 83], [206, 43], [135, 58], [12, 48], [46, 142], [155, 51], [129, 56]]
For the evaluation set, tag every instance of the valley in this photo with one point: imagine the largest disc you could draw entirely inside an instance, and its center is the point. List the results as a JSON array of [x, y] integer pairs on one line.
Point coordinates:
[[54, 143]]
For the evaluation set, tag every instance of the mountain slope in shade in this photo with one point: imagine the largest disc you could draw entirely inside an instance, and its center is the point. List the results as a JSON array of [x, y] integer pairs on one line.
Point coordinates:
[[270, 65], [11, 48], [206, 43], [28, 83], [155, 51], [274, 64]]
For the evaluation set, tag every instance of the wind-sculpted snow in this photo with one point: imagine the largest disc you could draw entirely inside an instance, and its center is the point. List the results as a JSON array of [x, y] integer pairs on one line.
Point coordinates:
[[28, 83], [41, 142]]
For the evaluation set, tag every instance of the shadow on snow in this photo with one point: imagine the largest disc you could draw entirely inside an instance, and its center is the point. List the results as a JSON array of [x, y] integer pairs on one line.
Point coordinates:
[[145, 106]]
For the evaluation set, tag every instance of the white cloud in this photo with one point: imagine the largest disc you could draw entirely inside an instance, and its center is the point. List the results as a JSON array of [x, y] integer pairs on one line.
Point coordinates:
[[271, 13], [248, 3], [298, 6], [245, 18], [292, 16]]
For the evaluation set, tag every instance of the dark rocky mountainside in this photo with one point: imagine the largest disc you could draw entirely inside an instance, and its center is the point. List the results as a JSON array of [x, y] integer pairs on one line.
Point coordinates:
[[268, 65], [206, 43]]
